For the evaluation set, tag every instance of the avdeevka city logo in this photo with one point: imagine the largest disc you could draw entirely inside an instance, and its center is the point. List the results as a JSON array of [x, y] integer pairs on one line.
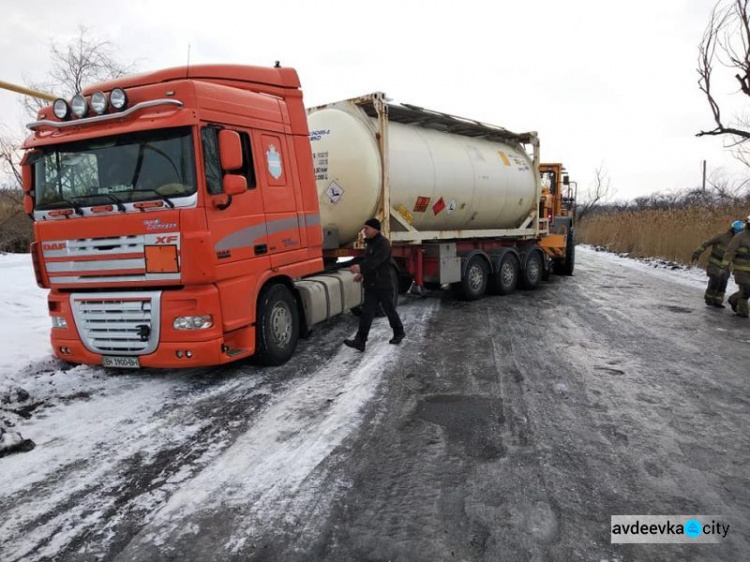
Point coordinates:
[[274, 162], [693, 528]]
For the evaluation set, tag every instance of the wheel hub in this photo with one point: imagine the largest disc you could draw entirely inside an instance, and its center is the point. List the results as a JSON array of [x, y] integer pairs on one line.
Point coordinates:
[[475, 277], [507, 273], [281, 324]]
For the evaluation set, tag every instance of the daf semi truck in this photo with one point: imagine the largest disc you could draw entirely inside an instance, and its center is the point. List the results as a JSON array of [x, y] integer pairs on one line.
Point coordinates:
[[197, 216]]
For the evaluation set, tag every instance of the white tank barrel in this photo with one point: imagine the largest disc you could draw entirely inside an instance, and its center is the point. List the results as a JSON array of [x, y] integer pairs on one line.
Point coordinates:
[[443, 181]]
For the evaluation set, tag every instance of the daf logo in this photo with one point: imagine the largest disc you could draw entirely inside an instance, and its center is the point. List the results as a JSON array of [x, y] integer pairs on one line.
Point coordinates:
[[144, 331], [55, 246]]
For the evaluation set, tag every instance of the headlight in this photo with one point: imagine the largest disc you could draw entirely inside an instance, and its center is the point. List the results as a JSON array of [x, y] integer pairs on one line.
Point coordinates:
[[118, 98], [59, 322], [193, 322], [60, 109], [99, 102], [78, 105]]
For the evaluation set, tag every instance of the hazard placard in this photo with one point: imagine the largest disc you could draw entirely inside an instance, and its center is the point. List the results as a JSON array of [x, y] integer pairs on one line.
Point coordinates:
[[421, 205], [334, 192]]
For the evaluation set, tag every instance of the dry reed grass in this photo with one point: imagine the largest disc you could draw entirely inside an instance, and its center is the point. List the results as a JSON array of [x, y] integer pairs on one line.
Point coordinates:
[[670, 234]]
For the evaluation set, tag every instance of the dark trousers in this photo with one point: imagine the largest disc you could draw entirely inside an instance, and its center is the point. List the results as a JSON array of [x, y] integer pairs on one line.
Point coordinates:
[[738, 300], [717, 286], [373, 297]]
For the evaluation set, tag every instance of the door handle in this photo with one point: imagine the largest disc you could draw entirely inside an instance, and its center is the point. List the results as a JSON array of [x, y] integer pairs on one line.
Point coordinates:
[[261, 249]]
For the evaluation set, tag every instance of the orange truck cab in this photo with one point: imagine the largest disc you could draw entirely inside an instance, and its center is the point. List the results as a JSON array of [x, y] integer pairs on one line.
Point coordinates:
[[172, 213]]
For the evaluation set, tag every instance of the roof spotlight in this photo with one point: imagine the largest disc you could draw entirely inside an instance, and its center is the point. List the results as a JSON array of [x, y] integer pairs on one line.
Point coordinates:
[[99, 102], [79, 106], [118, 98], [61, 109]]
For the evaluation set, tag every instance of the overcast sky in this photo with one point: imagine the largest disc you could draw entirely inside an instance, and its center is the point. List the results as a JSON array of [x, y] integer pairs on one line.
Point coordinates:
[[610, 84]]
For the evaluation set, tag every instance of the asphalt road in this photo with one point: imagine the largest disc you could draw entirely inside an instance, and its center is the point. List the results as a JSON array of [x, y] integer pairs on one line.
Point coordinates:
[[507, 429]]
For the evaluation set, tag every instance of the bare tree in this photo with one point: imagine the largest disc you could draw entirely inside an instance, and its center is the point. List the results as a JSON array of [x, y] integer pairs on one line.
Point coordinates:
[[9, 161], [726, 41], [83, 61], [597, 194]]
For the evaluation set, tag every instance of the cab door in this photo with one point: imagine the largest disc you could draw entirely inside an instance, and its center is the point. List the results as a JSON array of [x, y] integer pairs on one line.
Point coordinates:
[[237, 223], [277, 191]]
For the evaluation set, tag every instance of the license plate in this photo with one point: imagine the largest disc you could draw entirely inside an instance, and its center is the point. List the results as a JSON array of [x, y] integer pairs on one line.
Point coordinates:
[[121, 362]]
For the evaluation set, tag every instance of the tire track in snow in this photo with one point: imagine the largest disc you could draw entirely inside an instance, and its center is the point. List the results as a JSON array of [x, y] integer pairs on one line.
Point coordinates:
[[272, 480]]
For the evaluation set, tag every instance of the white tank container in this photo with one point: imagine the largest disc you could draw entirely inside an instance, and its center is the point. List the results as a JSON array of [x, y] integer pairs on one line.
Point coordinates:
[[443, 181]]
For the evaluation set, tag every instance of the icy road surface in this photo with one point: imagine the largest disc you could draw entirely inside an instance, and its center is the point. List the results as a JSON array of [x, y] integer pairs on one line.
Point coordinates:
[[510, 429]]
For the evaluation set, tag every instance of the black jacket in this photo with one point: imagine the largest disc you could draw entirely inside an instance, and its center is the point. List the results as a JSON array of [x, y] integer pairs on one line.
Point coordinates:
[[376, 265]]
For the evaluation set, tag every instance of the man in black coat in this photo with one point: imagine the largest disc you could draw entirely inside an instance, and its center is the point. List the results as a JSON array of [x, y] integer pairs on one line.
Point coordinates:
[[375, 273]]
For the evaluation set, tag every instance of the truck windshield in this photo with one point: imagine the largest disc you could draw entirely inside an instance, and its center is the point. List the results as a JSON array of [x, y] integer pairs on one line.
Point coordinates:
[[127, 168]]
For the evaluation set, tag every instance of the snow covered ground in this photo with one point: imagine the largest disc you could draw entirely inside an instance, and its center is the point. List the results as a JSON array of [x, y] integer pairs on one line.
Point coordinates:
[[172, 450], [27, 363], [91, 425], [24, 325]]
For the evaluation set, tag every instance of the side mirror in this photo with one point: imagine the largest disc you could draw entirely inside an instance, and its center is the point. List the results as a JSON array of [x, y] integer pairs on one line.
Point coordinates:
[[234, 184], [230, 150], [566, 180], [27, 169], [27, 178]]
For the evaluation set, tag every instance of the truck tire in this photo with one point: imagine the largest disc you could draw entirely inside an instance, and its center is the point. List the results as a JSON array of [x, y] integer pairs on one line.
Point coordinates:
[[277, 326], [566, 265], [532, 272], [474, 281], [505, 280]]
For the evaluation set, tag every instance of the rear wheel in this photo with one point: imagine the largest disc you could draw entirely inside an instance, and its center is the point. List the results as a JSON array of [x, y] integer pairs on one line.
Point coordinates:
[[532, 273], [474, 281], [505, 280], [277, 326]]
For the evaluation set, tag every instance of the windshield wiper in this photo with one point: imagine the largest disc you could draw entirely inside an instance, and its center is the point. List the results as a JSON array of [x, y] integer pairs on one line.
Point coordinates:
[[164, 198], [118, 202], [76, 207]]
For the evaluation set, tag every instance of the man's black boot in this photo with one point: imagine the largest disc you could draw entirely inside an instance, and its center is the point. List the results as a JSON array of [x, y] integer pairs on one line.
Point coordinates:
[[397, 338], [356, 343]]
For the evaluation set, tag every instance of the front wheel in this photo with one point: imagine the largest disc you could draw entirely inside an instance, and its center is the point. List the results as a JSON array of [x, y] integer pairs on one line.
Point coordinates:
[[277, 326]]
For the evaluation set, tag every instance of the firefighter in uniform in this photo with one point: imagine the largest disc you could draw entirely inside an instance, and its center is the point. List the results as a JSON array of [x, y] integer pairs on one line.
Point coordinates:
[[738, 256], [718, 277]]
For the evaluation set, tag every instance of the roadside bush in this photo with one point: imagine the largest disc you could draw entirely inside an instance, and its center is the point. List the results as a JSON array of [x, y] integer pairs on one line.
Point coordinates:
[[15, 226]]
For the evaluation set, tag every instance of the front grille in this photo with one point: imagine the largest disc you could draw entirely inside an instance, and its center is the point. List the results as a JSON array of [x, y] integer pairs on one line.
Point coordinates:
[[118, 323], [118, 259]]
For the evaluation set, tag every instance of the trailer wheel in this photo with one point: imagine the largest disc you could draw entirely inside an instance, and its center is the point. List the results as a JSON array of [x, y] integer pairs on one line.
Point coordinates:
[[532, 273], [474, 281], [504, 282], [277, 326]]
